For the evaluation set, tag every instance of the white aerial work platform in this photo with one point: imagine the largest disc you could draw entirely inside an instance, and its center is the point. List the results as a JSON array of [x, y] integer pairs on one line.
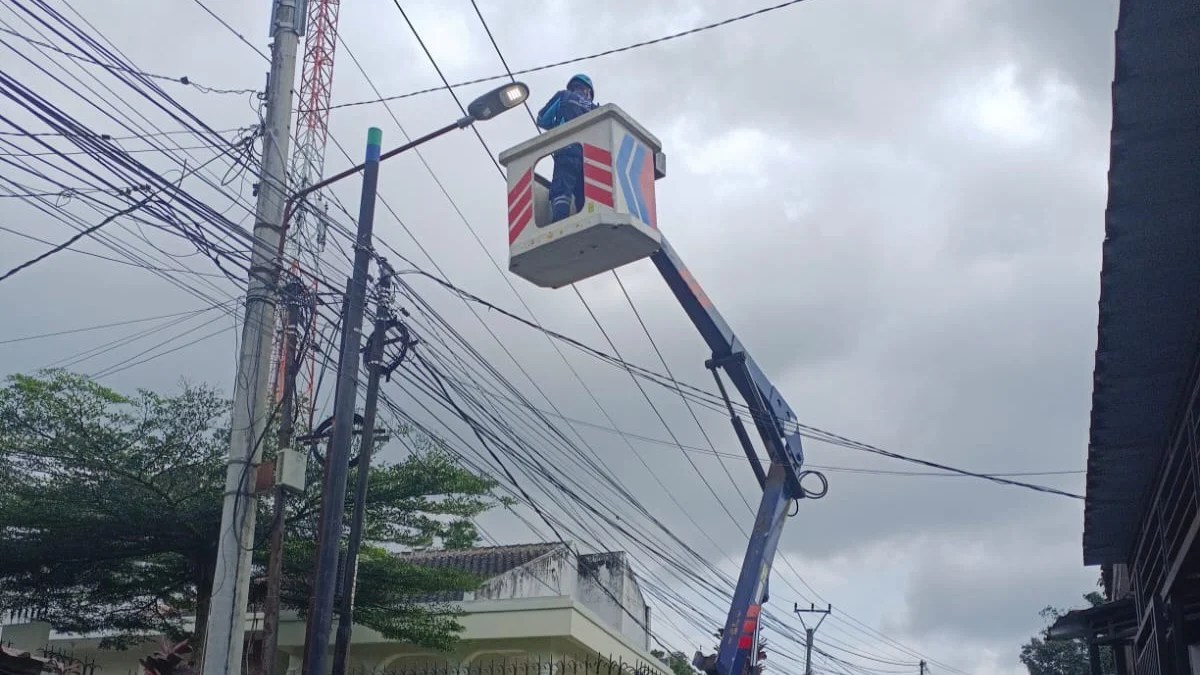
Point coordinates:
[[616, 224]]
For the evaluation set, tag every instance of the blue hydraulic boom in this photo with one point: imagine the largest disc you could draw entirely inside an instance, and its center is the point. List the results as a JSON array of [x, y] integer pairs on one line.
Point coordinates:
[[613, 223], [781, 484]]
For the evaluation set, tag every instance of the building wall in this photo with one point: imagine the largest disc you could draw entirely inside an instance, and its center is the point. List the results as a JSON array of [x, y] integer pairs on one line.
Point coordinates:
[[602, 582], [500, 637], [608, 588], [556, 606]]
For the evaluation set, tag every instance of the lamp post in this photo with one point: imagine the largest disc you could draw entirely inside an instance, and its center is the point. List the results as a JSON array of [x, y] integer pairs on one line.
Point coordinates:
[[486, 107]]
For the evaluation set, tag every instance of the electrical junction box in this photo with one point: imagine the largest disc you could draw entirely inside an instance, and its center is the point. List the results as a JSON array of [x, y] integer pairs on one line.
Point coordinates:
[[291, 470]]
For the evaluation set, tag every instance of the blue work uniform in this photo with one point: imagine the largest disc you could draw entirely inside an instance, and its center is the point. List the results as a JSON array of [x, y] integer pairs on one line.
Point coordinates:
[[567, 183]]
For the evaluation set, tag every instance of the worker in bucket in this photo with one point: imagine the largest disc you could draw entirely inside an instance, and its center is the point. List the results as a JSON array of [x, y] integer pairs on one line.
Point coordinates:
[[567, 183]]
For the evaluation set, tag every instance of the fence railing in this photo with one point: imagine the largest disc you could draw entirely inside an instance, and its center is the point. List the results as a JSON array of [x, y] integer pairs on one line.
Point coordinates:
[[61, 661], [532, 665]]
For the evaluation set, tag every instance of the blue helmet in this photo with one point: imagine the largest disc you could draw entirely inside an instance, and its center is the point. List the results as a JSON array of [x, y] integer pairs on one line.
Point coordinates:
[[581, 79]]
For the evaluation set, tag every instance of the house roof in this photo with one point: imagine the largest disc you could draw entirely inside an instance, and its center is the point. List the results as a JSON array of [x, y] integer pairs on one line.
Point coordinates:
[[1150, 280], [486, 562], [1109, 623]]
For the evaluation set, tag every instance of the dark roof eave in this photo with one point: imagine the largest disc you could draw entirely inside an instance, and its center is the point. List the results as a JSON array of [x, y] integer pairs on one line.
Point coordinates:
[[1110, 622], [1150, 283]]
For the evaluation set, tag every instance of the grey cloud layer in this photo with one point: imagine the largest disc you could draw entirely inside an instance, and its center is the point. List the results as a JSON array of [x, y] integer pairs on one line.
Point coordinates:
[[908, 279]]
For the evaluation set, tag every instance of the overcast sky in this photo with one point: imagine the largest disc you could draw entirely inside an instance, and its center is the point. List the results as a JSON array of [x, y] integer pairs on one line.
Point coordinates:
[[897, 205]]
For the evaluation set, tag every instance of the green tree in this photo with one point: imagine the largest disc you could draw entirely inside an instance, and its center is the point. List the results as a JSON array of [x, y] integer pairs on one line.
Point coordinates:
[[111, 507], [678, 662], [1043, 656]]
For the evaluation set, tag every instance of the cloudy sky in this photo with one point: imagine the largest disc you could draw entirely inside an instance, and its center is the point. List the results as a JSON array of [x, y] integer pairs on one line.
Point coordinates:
[[897, 205]]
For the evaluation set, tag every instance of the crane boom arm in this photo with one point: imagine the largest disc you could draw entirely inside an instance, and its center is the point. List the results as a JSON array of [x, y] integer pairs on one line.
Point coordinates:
[[617, 225], [774, 419]]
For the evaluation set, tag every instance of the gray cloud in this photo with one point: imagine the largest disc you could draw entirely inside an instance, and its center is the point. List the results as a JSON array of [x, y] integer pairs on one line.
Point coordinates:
[[951, 585], [907, 241]]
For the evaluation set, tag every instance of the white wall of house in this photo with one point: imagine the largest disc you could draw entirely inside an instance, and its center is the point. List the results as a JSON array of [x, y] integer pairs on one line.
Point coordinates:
[[604, 583], [555, 606], [608, 588]]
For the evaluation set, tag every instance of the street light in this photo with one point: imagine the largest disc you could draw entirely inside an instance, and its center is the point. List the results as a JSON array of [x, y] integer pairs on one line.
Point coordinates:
[[333, 500], [497, 101], [490, 105]]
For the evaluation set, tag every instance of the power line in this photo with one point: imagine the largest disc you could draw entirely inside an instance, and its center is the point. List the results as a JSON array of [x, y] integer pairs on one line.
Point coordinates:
[[231, 29], [813, 432], [450, 89], [582, 300], [184, 80], [82, 152], [717, 453], [72, 331], [85, 137], [544, 470], [79, 235], [503, 61], [577, 59], [133, 361], [508, 281], [109, 137], [72, 360]]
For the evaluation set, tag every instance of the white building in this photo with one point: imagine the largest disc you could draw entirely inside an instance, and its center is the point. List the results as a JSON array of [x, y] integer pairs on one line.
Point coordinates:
[[538, 603]]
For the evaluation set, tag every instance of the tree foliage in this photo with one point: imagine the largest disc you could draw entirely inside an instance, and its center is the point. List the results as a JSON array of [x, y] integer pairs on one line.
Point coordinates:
[[111, 511], [1043, 656], [678, 662]]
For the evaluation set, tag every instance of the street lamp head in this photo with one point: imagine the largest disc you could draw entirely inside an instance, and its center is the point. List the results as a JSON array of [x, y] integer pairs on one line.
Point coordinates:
[[497, 101]]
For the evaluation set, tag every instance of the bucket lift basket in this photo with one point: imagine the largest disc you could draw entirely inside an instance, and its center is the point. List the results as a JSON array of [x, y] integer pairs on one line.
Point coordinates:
[[616, 224]]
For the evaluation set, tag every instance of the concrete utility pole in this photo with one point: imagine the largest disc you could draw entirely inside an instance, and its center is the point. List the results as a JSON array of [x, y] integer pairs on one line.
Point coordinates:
[[810, 632], [225, 633]]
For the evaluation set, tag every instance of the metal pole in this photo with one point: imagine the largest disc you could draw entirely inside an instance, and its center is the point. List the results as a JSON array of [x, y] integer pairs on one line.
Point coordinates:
[[225, 632], [922, 667], [294, 199], [333, 502], [287, 430], [312, 595], [374, 369]]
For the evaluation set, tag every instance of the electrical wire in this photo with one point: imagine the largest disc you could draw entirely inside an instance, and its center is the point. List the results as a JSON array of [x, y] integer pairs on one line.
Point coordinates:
[[577, 59], [810, 431], [184, 80], [477, 420], [80, 235], [401, 9], [73, 331]]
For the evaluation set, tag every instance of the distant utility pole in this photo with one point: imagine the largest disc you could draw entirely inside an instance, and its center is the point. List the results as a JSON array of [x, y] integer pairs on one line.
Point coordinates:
[[922, 667], [810, 632], [225, 633]]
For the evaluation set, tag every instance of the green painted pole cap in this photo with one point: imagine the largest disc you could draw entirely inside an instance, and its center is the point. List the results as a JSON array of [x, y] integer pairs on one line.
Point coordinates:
[[375, 136]]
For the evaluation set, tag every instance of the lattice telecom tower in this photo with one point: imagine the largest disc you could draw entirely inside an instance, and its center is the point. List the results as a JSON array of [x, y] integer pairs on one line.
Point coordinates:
[[306, 237]]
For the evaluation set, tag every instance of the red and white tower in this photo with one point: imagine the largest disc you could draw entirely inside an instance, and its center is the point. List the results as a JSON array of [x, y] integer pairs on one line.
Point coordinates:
[[306, 238]]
